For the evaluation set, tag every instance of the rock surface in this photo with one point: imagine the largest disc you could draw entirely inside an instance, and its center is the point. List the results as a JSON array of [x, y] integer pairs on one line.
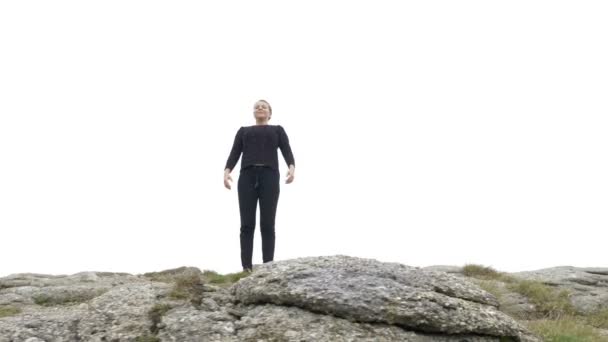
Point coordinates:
[[587, 289], [588, 285], [326, 298]]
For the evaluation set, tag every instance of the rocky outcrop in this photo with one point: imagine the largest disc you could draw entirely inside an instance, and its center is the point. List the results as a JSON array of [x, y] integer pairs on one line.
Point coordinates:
[[588, 285], [327, 298], [81, 307], [554, 291]]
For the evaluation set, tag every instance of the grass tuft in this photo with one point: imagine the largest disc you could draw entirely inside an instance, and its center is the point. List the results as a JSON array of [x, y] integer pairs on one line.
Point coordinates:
[[486, 273], [8, 310], [555, 318], [565, 329], [598, 319], [186, 285], [147, 338], [155, 315], [215, 278], [549, 303], [46, 299]]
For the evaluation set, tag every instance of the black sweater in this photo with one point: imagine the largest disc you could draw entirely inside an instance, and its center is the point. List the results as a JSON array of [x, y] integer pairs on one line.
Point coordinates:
[[259, 145]]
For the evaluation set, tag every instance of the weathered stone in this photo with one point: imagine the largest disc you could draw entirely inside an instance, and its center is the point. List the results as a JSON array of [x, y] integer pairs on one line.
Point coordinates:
[[588, 285], [367, 290], [320, 299]]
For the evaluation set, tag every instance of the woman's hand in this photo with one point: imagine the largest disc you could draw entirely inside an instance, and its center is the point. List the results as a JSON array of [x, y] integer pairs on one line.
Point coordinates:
[[290, 174], [227, 178]]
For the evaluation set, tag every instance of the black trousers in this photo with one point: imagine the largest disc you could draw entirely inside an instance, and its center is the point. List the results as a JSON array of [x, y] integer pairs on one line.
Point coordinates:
[[258, 183]]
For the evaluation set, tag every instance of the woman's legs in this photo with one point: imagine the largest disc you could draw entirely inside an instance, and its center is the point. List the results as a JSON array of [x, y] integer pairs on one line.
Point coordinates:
[[269, 190], [248, 199], [255, 183]]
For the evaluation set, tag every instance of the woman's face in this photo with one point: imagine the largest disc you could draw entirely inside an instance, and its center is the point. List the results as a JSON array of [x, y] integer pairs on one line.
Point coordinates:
[[261, 110]]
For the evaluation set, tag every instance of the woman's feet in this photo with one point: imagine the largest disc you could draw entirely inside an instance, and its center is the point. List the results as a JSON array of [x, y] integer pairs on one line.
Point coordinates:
[[247, 270]]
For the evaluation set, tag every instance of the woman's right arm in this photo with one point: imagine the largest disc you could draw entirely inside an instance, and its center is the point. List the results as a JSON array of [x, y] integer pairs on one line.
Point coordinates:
[[235, 152]]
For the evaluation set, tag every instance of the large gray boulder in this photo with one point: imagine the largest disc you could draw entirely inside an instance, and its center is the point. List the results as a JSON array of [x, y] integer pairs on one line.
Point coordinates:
[[370, 291], [81, 307]]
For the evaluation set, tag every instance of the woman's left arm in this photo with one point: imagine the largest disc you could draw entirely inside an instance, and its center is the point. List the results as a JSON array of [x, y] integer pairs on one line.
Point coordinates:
[[287, 154], [286, 148]]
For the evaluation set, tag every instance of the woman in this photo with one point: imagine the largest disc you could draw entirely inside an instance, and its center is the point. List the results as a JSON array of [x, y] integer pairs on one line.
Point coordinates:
[[259, 178]]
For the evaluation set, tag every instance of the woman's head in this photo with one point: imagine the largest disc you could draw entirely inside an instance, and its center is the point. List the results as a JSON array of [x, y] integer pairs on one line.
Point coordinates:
[[262, 110]]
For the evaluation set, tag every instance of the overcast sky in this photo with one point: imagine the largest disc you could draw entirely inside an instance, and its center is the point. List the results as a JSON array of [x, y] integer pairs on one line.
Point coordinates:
[[426, 133]]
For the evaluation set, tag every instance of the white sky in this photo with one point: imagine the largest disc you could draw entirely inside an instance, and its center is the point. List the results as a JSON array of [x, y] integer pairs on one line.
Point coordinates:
[[429, 132]]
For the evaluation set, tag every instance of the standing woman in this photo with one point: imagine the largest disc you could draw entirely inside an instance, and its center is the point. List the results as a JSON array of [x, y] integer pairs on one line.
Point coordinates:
[[259, 178]]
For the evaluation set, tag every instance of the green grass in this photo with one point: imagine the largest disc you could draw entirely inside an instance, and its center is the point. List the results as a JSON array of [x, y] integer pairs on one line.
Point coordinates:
[[507, 339], [215, 278], [549, 303], [491, 287], [186, 286], [147, 338], [168, 276], [486, 273], [155, 315], [598, 319], [6, 311], [45, 299], [189, 284], [555, 318], [565, 329]]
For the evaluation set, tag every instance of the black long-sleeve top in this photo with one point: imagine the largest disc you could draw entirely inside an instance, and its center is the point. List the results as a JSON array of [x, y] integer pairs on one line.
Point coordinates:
[[259, 144]]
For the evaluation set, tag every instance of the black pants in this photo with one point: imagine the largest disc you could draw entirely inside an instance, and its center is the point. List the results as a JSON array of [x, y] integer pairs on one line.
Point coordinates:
[[258, 182]]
